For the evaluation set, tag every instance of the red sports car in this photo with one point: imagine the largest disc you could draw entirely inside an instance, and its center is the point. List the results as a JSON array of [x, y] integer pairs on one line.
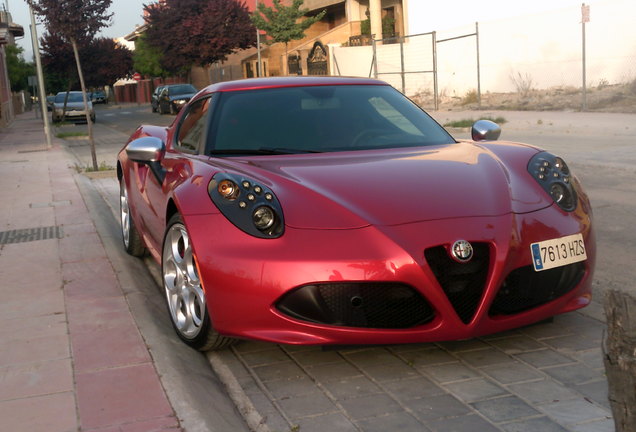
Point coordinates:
[[336, 211]]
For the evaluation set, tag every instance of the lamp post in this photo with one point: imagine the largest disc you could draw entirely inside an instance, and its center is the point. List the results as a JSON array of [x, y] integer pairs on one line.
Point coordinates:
[[41, 92]]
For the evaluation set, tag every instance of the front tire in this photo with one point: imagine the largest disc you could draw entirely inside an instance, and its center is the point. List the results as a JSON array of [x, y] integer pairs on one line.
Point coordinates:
[[185, 294], [133, 243]]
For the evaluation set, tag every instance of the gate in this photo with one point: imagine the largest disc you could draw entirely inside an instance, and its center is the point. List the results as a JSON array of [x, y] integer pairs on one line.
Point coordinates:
[[317, 60]]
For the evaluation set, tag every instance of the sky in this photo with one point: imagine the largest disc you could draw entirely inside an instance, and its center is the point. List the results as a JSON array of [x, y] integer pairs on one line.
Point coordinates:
[[446, 14], [127, 14]]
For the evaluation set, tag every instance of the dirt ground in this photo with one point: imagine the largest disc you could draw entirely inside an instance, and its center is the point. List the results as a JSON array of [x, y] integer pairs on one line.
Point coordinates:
[[619, 98]]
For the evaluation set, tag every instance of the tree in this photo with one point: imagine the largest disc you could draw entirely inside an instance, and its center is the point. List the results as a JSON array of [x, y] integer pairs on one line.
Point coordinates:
[[19, 69], [147, 59], [197, 32], [76, 21], [283, 23]]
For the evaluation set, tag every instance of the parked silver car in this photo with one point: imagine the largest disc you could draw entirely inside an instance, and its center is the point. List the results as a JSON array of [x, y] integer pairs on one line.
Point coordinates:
[[74, 107]]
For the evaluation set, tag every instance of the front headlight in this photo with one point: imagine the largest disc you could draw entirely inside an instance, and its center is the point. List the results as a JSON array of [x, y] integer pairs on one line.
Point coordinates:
[[250, 206], [553, 174]]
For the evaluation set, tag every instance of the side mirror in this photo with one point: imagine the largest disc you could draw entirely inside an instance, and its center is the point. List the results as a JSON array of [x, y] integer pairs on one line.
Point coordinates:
[[485, 130], [149, 151]]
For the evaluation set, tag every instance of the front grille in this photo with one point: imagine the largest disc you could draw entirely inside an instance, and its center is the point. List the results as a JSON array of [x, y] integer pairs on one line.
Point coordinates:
[[463, 283], [525, 288], [365, 305]]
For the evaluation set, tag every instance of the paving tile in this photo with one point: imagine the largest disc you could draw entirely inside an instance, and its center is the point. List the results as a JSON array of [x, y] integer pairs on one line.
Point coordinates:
[[466, 423], [328, 422], [372, 357], [516, 344], [164, 424], [544, 358], [575, 342], [449, 372], [573, 374], [474, 390], [32, 303], [541, 392], [426, 357], [574, 411], [90, 278], [592, 358], [89, 314], [606, 425], [464, 345], [400, 421], [81, 248], [512, 373], [541, 424], [504, 409], [118, 396], [484, 357], [281, 389], [333, 372], [597, 391], [19, 328], [413, 388], [310, 358], [390, 372], [546, 330], [259, 358], [352, 387], [307, 405], [370, 406], [437, 407], [281, 370], [34, 349], [49, 413], [34, 379], [108, 347]]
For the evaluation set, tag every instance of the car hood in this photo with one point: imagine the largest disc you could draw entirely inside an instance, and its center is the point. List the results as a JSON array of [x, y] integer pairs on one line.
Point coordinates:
[[392, 187], [181, 96], [73, 105]]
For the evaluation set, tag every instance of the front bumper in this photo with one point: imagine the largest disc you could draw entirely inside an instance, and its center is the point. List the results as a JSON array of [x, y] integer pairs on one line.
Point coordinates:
[[248, 281]]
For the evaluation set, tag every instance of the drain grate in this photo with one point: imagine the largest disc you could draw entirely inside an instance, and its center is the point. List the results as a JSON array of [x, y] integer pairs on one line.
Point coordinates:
[[30, 235]]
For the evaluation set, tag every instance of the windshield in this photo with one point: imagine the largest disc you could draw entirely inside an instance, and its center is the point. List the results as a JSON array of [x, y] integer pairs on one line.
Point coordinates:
[[181, 89], [72, 97], [319, 119]]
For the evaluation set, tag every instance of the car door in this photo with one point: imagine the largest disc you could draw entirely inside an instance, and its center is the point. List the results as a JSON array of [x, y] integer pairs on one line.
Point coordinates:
[[185, 145]]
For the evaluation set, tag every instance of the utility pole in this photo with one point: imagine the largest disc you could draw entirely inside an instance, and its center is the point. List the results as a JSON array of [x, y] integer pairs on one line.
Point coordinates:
[[585, 18], [42, 92]]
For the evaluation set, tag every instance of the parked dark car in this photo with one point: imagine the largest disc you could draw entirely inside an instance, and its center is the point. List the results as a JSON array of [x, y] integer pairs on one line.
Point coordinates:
[[99, 97], [154, 99], [173, 97], [50, 101]]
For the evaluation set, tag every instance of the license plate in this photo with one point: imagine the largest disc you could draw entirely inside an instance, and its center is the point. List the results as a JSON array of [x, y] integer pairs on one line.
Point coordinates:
[[558, 252]]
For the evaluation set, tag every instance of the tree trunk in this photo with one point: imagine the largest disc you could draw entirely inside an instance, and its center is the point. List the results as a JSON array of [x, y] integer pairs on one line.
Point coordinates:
[[89, 122], [620, 358]]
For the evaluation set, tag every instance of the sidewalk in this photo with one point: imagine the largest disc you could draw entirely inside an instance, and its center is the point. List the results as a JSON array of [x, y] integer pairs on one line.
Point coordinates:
[[71, 355]]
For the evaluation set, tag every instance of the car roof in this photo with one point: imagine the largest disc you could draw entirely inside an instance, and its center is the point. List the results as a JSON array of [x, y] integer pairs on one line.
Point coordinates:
[[304, 81]]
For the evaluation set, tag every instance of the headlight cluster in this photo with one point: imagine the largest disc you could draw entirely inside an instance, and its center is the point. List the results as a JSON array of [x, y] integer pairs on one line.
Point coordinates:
[[250, 206], [553, 174]]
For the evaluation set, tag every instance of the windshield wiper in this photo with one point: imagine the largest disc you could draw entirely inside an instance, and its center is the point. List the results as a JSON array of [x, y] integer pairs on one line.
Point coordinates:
[[260, 151]]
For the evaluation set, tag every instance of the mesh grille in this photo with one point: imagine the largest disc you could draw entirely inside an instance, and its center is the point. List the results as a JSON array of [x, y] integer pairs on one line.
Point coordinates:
[[366, 305], [525, 288], [463, 283], [30, 234]]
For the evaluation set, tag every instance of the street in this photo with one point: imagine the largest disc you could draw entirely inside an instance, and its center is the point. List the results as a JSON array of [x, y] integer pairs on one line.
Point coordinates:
[[546, 377]]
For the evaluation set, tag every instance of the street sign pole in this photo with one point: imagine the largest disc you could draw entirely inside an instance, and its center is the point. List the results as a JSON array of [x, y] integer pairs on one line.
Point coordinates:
[[585, 18]]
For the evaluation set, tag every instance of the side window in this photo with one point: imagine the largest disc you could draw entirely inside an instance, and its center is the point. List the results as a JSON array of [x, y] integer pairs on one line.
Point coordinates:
[[192, 126]]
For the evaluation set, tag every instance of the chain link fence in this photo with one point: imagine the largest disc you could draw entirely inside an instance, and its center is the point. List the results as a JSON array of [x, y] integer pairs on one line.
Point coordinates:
[[529, 62]]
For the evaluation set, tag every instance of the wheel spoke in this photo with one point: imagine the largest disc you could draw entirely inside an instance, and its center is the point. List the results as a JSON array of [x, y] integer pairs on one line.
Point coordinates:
[[184, 294]]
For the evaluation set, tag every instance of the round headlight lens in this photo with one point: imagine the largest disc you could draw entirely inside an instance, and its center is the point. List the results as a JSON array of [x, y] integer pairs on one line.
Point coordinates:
[[263, 218], [558, 192], [228, 189]]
